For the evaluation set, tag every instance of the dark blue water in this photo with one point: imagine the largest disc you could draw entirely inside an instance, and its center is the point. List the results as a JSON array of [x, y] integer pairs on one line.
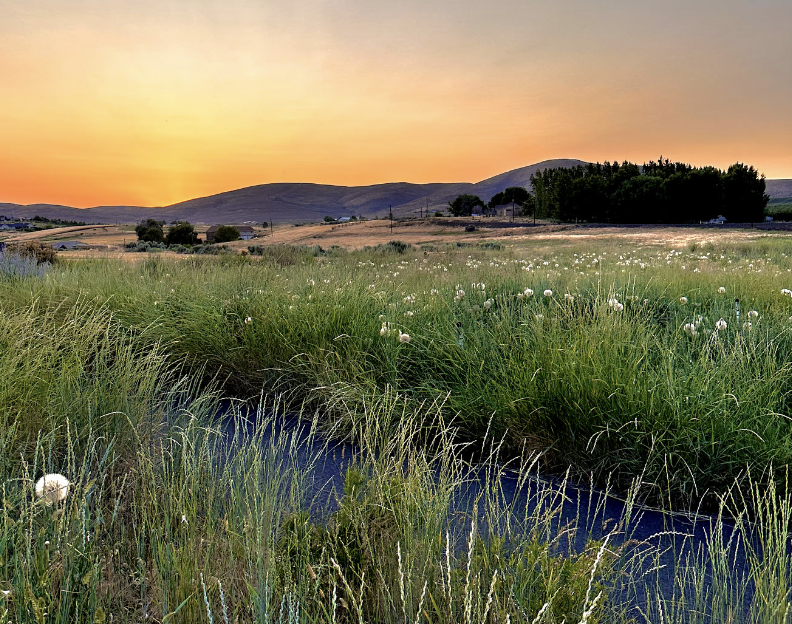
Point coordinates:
[[653, 546]]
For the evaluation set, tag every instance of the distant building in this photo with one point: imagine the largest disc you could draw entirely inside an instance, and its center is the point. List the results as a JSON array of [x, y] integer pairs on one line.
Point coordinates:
[[245, 232], [15, 226], [720, 220], [502, 210], [70, 245], [343, 219]]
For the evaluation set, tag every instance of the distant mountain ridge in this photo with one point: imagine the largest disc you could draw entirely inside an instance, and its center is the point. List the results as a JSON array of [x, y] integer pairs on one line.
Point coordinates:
[[282, 201]]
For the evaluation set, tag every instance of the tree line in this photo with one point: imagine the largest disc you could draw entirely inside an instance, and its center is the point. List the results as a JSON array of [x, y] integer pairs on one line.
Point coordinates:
[[656, 192]]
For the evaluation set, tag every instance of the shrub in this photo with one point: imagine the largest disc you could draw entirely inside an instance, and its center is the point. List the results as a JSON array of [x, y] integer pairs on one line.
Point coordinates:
[[181, 233], [13, 266], [226, 234], [150, 230], [470, 228], [37, 251]]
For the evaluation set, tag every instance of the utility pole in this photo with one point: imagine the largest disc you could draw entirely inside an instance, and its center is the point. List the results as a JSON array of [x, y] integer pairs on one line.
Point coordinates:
[[271, 231], [390, 216], [512, 209]]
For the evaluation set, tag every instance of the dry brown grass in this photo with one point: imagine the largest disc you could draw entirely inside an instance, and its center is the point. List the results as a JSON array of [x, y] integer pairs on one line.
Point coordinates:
[[109, 240]]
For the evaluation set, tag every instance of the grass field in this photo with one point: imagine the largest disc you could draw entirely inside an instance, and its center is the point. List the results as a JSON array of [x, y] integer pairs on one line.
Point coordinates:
[[616, 362]]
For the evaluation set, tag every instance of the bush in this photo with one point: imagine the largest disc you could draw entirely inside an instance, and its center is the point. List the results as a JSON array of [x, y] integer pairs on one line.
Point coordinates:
[[182, 233], [226, 234], [13, 266], [470, 228], [37, 251], [150, 230]]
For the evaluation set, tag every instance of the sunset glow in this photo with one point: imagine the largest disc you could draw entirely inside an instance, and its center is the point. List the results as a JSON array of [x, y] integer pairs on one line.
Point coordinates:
[[150, 103]]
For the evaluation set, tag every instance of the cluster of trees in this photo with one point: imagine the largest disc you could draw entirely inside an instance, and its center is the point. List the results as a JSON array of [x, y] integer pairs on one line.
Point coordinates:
[[179, 233], [657, 192], [466, 205]]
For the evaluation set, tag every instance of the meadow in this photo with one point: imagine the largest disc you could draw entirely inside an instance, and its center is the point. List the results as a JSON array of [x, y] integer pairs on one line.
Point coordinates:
[[629, 368]]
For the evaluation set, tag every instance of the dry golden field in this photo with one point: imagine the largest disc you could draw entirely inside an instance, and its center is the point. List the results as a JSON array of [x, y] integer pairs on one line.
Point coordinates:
[[110, 239]]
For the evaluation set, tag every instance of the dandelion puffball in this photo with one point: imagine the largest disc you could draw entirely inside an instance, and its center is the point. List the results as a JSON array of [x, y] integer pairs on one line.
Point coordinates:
[[528, 292], [753, 313], [405, 338], [683, 300], [548, 293], [568, 297], [690, 329], [721, 324], [53, 488], [721, 290], [248, 321]]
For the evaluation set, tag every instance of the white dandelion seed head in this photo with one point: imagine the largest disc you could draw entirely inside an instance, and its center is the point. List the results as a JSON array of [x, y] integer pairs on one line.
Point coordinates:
[[528, 292], [683, 300], [405, 338], [721, 324], [488, 303], [721, 290], [52, 488], [689, 329], [248, 321], [568, 297], [753, 313], [787, 292], [548, 293]]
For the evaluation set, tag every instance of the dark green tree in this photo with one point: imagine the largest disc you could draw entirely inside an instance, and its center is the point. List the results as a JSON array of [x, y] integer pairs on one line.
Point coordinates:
[[150, 230], [516, 194], [181, 233], [744, 197], [464, 205], [226, 234]]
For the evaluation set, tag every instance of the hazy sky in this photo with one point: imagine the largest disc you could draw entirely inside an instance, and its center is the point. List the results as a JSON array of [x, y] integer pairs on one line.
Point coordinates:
[[156, 101]]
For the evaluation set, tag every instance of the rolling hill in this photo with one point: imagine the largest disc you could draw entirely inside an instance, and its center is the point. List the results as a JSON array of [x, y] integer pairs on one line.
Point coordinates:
[[311, 202]]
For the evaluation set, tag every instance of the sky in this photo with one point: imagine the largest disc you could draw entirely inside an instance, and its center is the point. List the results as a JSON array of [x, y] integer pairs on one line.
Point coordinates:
[[113, 102]]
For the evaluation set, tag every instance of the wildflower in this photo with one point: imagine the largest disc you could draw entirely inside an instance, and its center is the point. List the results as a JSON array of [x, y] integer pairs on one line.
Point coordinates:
[[528, 292], [787, 292], [488, 303], [721, 290], [616, 305], [540, 317], [248, 321], [568, 297], [311, 282], [754, 314], [747, 325], [184, 519], [721, 324], [408, 313], [683, 300], [52, 488], [548, 293], [690, 329], [405, 338], [520, 295], [385, 329]]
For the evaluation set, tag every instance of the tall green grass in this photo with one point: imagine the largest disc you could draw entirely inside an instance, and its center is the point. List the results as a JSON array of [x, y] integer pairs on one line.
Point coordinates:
[[617, 393], [177, 516]]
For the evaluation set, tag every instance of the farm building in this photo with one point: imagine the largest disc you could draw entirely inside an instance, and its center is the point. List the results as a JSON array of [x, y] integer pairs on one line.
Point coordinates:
[[245, 232]]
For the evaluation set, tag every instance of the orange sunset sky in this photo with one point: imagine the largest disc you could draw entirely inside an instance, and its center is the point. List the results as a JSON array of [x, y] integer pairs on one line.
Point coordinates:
[[151, 102]]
